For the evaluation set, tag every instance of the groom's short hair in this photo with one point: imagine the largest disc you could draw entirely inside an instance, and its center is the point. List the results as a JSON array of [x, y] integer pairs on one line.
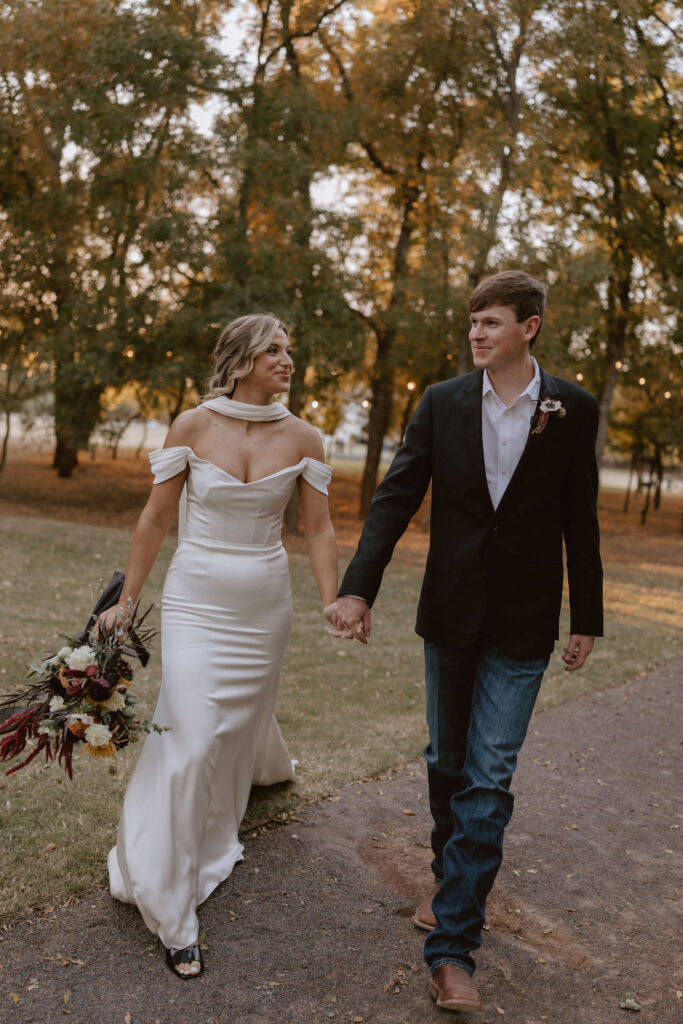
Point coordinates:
[[513, 288]]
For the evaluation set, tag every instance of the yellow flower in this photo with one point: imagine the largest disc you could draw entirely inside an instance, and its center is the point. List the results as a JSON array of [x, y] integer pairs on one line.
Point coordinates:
[[106, 750]]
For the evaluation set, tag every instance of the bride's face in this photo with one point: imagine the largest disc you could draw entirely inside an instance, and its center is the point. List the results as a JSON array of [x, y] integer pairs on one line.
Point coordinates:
[[272, 369]]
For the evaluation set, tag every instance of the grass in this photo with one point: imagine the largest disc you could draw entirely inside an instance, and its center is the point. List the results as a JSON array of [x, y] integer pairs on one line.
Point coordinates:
[[347, 711]]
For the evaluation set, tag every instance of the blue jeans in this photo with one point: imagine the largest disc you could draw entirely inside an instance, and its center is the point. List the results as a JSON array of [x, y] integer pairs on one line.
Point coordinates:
[[478, 708]]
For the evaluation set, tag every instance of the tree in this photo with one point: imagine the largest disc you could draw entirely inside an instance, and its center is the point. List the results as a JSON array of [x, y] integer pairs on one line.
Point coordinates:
[[98, 163], [279, 130], [610, 167]]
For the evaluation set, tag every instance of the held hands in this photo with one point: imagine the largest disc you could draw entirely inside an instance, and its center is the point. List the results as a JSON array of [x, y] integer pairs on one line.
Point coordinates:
[[577, 651], [350, 618]]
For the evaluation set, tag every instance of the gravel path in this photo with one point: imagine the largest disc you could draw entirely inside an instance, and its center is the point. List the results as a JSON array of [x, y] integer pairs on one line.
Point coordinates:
[[314, 927]]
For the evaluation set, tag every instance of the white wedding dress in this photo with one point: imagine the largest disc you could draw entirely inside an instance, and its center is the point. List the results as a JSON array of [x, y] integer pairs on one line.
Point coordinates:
[[225, 623]]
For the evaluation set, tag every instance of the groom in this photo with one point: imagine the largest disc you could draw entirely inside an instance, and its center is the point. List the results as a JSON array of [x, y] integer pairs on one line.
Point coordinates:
[[510, 452]]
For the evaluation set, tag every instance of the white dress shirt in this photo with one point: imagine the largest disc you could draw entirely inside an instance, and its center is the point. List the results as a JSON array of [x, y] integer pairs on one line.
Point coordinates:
[[504, 432]]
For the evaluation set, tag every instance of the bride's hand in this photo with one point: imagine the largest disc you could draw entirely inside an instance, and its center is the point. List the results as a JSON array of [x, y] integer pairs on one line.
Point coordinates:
[[351, 632], [108, 618]]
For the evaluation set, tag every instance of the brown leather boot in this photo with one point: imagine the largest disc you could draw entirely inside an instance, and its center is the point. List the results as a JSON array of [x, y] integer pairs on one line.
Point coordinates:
[[424, 915], [453, 989]]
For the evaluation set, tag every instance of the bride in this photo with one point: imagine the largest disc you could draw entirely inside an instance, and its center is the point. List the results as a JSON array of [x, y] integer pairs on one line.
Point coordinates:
[[226, 615]]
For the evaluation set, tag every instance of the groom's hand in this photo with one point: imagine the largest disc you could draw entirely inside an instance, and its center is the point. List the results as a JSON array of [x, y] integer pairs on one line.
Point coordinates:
[[352, 618], [576, 651]]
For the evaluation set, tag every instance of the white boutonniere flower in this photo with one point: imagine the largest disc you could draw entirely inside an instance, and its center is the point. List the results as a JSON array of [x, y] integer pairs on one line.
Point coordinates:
[[548, 407]]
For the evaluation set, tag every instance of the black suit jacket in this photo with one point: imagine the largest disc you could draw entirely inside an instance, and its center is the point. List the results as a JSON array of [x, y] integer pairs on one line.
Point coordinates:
[[493, 573]]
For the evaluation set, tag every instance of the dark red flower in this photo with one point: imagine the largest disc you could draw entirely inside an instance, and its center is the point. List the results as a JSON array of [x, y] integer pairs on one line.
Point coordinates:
[[98, 689]]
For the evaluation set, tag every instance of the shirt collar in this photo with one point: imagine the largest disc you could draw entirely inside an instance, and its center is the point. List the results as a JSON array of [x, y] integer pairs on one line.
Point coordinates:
[[533, 388]]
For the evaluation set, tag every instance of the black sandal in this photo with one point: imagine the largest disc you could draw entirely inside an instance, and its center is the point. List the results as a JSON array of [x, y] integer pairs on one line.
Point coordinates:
[[185, 956]]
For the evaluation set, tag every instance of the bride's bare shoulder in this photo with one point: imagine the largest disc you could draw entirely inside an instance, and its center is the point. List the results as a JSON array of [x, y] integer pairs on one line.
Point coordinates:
[[187, 427], [308, 438]]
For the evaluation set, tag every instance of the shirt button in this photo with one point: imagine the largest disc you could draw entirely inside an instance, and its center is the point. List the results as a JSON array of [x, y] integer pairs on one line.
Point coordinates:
[[504, 442], [504, 473]]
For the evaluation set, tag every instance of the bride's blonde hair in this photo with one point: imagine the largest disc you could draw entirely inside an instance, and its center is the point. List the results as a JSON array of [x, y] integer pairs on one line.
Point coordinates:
[[236, 349]]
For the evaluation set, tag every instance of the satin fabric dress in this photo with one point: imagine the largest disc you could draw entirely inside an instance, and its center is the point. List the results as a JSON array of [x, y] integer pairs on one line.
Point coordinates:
[[226, 620]]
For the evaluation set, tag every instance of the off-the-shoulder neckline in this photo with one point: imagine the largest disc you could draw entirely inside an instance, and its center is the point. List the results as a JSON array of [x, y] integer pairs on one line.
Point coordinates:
[[242, 483]]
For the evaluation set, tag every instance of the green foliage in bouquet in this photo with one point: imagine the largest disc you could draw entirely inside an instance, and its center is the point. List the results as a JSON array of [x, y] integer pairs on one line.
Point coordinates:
[[82, 695]]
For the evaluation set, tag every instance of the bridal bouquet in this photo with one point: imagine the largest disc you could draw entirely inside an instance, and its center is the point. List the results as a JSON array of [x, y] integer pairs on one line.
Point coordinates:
[[81, 695]]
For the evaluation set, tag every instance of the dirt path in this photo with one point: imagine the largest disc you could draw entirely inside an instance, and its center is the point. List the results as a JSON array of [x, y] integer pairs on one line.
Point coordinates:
[[314, 927]]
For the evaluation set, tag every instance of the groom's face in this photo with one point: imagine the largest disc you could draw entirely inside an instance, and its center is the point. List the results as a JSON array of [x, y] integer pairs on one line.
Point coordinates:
[[499, 342]]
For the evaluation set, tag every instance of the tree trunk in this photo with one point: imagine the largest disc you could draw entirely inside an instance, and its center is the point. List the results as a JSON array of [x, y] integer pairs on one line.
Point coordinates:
[[177, 408], [76, 413], [5, 442], [646, 506], [628, 483], [659, 470], [380, 414], [143, 438], [605, 402]]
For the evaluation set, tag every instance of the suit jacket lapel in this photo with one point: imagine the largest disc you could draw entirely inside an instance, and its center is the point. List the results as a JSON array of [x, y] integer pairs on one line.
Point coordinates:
[[470, 409], [548, 389]]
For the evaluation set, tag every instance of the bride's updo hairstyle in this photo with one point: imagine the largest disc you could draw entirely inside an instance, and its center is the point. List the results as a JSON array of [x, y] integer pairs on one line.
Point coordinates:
[[236, 349]]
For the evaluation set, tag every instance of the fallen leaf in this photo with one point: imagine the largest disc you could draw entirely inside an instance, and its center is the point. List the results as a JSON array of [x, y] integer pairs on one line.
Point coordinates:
[[14, 997], [33, 984], [409, 814], [540, 960], [66, 997], [358, 1020], [629, 1002], [368, 910], [50, 847], [500, 1010], [127, 1019]]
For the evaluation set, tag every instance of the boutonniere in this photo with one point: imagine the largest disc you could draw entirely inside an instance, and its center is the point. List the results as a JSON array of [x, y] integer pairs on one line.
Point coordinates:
[[548, 407]]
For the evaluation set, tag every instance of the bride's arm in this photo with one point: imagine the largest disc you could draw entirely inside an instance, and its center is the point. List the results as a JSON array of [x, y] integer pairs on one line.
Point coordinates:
[[320, 541], [151, 528]]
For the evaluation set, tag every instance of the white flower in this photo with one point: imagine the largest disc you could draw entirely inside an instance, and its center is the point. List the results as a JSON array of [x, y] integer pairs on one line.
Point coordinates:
[[80, 717], [49, 728], [97, 735], [81, 658], [55, 659], [57, 703], [550, 405], [116, 702]]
